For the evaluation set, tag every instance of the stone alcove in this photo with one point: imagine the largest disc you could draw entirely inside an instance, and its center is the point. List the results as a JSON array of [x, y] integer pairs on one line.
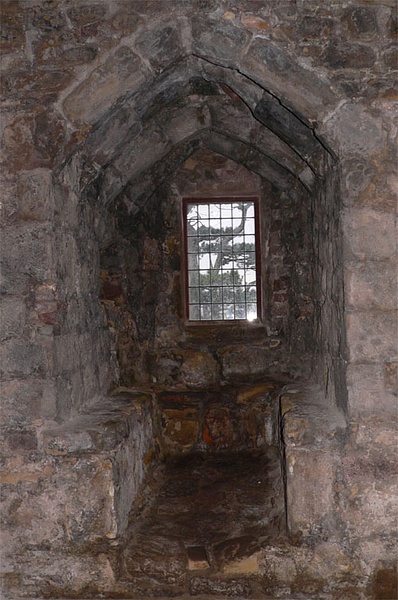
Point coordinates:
[[115, 132], [126, 237]]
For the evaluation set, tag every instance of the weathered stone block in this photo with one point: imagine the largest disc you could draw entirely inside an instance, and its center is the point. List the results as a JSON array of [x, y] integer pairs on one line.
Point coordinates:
[[104, 142], [186, 123], [352, 129], [24, 359], [199, 369], [309, 427], [137, 156], [86, 13], [390, 57], [239, 361], [219, 428], [238, 555], [378, 432], [254, 22], [28, 256], [370, 495], [220, 41], [361, 22], [368, 392], [13, 22], [276, 71], [226, 587], [372, 336], [123, 72], [370, 234], [372, 284], [309, 484], [63, 572], [181, 428], [13, 317], [311, 27], [339, 55], [19, 440], [160, 46], [25, 401], [35, 192], [78, 55], [287, 126]]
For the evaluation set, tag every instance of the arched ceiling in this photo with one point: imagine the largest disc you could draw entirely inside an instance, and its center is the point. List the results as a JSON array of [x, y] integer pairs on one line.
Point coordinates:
[[149, 133]]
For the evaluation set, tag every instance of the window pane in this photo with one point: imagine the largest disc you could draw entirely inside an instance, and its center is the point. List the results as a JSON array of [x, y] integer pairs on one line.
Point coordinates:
[[205, 312], [228, 295], [205, 297], [194, 312], [251, 311], [251, 294], [193, 278], [240, 311], [216, 312], [216, 295], [229, 312], [194, 295], [221, 260]]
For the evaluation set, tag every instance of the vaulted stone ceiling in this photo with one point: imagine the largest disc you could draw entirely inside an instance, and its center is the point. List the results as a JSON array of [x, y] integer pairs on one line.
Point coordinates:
[[150, 85], [147, 135]]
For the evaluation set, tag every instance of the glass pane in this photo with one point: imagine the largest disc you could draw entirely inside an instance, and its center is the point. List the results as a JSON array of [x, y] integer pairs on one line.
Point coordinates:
[[194, 295], [205, 312], [216, 312], [214, 210], [251, 312], [216, 295], [205, 297], [203, 211], [250, 242], [228, 295], [194, 312], [229, 312], [193, 278], [251, 294], [240, 311], [192, 244], [204, 278], [222, 260], [193, 261]]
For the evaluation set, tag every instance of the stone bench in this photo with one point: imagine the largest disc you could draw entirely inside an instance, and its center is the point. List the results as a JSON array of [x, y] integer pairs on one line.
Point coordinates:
[[100, 459], [311, 434]]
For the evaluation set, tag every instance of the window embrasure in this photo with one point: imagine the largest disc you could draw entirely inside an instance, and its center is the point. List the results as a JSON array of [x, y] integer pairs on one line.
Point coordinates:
[[222, 259]]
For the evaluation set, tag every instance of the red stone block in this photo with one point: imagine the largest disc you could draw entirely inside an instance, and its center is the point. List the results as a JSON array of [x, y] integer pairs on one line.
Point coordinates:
[[218, 427]]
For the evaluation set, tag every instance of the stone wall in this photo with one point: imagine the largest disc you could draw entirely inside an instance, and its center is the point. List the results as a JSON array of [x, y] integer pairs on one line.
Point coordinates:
[[109, 100], [144, 285]]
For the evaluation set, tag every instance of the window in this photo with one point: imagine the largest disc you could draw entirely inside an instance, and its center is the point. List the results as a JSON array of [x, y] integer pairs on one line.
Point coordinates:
[[222, 259]]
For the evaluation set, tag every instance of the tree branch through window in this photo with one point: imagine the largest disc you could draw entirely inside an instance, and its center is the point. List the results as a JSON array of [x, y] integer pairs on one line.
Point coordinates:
[[221, 260]]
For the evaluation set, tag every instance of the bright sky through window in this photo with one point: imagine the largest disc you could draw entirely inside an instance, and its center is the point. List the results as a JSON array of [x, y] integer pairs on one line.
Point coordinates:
[[221, 260]]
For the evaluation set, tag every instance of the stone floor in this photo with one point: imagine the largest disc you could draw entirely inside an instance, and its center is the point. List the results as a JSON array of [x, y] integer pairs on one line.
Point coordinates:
[[212, 525], [203, 534]]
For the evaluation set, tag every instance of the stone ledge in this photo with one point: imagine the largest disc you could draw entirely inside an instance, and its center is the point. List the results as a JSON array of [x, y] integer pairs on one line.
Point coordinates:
[[312, 430], [101, 427], [309, 418]]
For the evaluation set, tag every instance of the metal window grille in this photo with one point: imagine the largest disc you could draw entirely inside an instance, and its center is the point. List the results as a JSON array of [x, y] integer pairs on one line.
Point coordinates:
[[222, 259]]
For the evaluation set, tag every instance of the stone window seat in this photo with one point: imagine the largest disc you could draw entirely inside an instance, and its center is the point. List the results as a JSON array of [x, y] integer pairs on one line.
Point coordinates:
[[100, 460]]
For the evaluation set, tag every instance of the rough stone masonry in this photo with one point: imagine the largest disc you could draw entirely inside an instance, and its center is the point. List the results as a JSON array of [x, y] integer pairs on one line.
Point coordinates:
[[114, 111]]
